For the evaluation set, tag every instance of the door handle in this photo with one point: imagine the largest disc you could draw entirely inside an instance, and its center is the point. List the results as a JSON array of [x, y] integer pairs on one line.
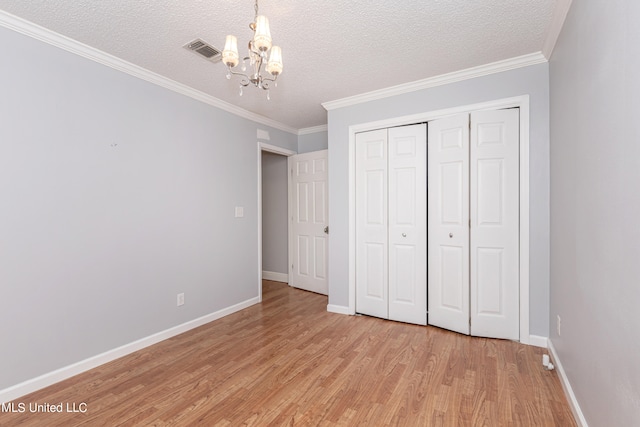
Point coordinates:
[[450, 235], [326, 230]]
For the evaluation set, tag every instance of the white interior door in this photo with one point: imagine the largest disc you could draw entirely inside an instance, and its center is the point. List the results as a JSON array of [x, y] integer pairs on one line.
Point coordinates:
[[495, 224], [448, 223], [372, 290], [407, 230], [309, 209]]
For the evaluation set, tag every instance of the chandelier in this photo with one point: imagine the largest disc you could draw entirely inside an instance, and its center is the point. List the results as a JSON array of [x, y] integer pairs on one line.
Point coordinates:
[[260, 49]]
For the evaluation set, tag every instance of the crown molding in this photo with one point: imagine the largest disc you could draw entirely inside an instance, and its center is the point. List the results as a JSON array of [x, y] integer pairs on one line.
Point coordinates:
[[314, 129], [443, 79], [45, 35], [557, 21]]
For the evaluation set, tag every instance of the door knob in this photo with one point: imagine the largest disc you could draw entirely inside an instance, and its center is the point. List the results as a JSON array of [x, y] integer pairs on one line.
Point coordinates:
[[450, 235], [326, 230], [404, 234]]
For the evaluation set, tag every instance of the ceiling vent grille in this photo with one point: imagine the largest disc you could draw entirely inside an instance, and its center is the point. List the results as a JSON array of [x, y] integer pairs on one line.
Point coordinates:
[[204, 49]]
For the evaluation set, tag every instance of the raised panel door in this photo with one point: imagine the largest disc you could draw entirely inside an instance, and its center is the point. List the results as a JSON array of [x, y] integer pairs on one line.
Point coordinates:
[[448, 223]]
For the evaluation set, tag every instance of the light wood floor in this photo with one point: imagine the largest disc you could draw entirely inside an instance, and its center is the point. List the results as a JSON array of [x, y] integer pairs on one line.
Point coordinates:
[[289, 362]]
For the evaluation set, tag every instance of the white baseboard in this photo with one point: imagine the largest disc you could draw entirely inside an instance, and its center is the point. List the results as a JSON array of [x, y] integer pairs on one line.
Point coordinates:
[[276, 277], [568, 390], [340, 309], [58, 375], [538, 341]]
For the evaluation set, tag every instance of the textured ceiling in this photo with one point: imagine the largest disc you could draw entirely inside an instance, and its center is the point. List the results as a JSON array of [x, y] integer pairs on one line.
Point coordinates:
[[331, 48]]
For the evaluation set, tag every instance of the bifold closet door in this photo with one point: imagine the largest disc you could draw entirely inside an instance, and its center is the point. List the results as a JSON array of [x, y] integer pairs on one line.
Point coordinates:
[[448, 224], [495, 215], [408, 224], [372, 285], [474, 223], [391, 213]]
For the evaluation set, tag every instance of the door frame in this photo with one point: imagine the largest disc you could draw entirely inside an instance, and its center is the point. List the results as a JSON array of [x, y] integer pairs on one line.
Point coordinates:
[[262, 146], [521, 102]]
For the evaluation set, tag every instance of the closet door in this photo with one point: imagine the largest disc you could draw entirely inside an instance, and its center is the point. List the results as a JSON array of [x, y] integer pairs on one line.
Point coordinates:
[[495, 223], [407, 190], [448, 224], [372, 289]]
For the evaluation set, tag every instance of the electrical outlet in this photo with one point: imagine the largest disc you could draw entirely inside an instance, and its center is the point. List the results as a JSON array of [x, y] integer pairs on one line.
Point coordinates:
[[180, 299], [558, 325]]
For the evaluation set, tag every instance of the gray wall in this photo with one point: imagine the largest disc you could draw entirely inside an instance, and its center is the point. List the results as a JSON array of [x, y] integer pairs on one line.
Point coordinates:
[[274, 213], [595, 206], [96, 239], [313, 142], [532, 80]]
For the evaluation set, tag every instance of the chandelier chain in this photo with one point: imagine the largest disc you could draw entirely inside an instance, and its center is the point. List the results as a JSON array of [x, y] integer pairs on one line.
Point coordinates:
[[255, 7]]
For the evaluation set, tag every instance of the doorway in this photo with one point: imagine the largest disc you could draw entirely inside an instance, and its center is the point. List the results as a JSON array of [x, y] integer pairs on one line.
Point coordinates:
[[275, 248], [273, 209], [292, 246]]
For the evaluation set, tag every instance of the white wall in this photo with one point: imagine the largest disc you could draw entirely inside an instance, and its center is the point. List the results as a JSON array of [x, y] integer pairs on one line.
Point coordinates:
[[275, 255], [532, 80], [595, 206], [115, 195]]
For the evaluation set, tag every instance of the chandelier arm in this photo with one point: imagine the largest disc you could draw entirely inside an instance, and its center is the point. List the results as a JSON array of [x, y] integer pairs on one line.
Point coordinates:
[[265, 82], [266, 79], [245, 79]]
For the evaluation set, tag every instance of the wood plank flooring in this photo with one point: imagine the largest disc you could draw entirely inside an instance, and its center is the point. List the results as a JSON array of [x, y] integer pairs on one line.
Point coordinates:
[[289, 362]]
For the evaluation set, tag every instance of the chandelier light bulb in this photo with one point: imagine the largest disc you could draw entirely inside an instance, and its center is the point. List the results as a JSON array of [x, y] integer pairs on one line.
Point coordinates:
[[262, 36], [274, 66], [230, 53]]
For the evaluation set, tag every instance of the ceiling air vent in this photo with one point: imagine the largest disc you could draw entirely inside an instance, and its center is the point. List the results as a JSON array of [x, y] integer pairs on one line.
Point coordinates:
[[204, 49]]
